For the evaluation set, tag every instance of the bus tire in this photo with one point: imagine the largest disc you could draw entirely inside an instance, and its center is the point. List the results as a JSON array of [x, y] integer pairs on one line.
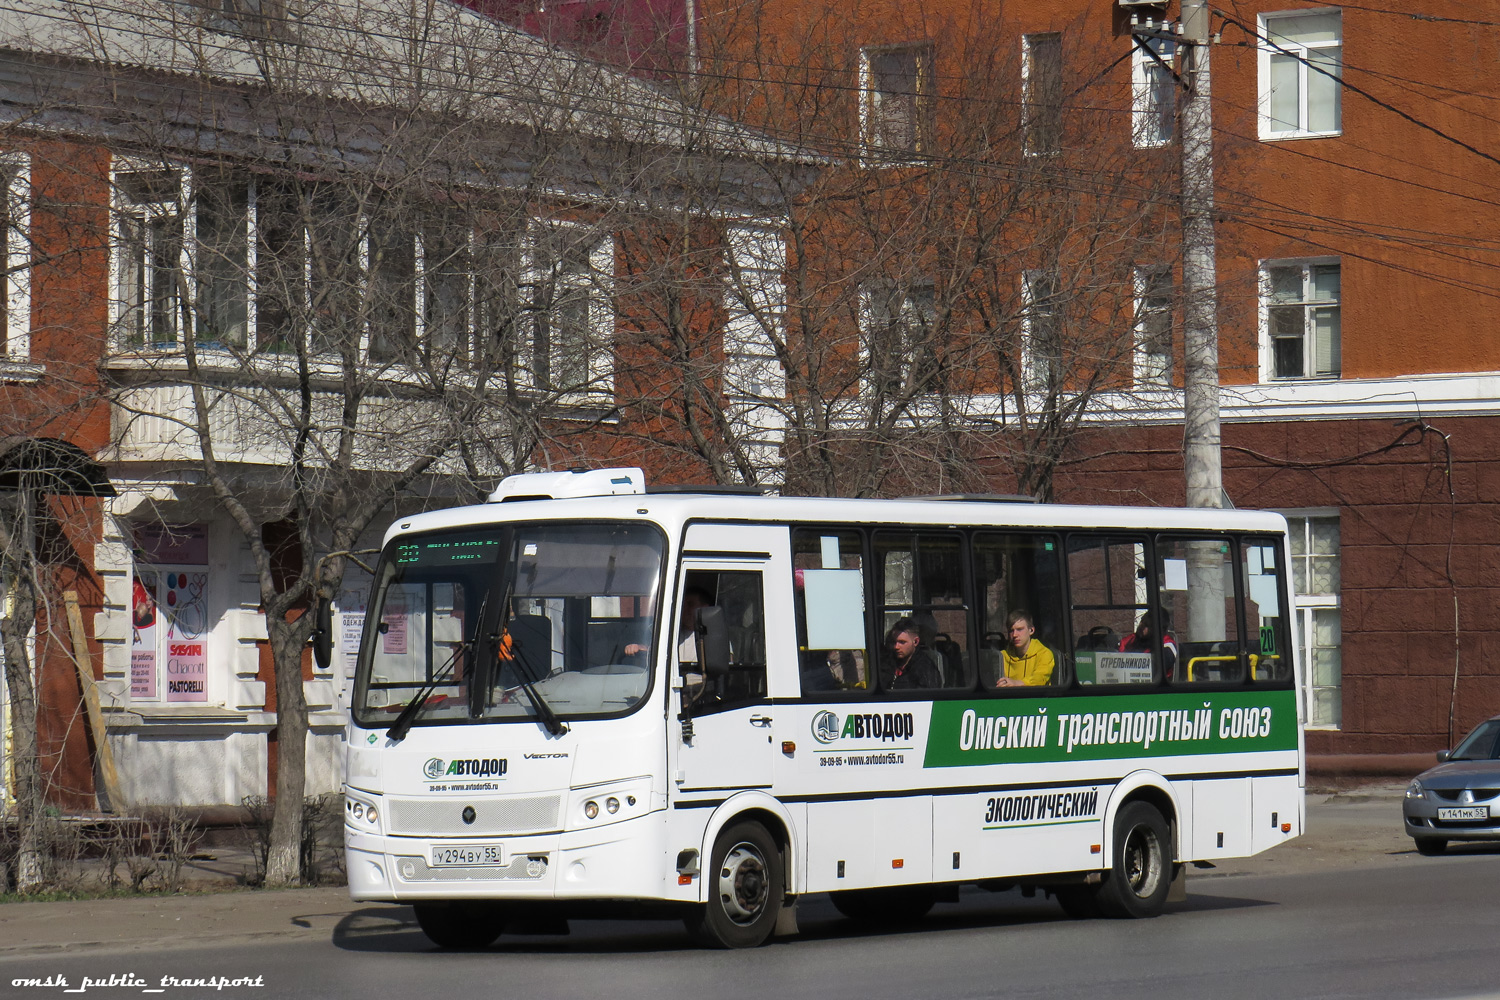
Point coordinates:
[[1138, 882], [745, 887], [1431, 846], [461, 925]]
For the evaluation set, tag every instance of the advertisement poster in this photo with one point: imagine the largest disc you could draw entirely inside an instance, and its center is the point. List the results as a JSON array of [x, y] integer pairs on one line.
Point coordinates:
[[143, 636], [181, 599]]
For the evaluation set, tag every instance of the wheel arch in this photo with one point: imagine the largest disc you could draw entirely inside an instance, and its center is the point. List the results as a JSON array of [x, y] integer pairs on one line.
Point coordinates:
[[1143, 786], [769, 813]]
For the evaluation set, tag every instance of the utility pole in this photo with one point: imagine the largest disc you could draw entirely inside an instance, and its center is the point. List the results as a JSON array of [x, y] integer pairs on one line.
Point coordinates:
[[1202, 459]]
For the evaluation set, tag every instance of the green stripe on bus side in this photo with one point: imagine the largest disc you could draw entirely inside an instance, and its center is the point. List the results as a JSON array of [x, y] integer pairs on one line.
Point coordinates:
[[1163, 724]]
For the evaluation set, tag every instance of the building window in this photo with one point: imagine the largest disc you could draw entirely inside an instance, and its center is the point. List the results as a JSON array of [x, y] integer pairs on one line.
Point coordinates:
[[569, 319], [1302, 318], [898, 319], [755, 303], [1041, 331], [1316, 585], [15, 258], [1153, 119], [148, 256], [1153, 326], [221, 257], [1301, 61], [897, 110], [1041, 93]]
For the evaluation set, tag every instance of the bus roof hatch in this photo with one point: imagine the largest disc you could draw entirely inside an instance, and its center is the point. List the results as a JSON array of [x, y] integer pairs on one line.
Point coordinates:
[[574, 483]]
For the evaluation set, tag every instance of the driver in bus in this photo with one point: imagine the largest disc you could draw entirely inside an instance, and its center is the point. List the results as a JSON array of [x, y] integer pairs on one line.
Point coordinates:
[[1028, 663], [693, 598]]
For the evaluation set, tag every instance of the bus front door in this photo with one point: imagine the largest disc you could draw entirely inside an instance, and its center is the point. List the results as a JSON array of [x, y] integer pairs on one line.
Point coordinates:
[[727, 737]]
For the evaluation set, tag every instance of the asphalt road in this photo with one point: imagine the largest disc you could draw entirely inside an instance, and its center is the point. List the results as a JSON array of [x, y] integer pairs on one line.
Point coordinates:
[[1390, 925]]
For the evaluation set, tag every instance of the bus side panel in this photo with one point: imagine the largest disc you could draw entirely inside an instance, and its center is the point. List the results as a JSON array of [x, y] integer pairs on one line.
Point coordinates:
[[999, 836], [1277, 800], [1221, 818], [838, 833]]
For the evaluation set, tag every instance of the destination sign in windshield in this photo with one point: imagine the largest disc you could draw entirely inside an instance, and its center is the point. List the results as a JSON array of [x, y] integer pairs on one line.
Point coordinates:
[[448, 549]]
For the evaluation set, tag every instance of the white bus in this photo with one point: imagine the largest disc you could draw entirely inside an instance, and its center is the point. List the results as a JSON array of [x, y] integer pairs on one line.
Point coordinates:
[[588, 698]]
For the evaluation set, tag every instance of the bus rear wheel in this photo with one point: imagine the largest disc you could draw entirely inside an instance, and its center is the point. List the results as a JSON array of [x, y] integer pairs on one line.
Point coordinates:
[[746, 887], [462, 925], [1140, 878]]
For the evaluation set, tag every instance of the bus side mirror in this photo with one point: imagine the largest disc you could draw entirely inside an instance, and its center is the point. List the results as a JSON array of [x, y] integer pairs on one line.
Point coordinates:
[[322, 637], [713, 642]]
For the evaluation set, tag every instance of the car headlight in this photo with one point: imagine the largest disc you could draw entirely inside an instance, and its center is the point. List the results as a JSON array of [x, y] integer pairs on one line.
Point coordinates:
[[1414, 790]]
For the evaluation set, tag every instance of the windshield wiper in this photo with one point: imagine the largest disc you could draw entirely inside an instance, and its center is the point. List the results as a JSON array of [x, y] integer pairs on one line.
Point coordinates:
[[413, 708], [505, 645]]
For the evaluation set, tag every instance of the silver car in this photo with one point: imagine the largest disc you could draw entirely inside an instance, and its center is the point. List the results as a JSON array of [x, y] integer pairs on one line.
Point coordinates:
[[1460, 798]]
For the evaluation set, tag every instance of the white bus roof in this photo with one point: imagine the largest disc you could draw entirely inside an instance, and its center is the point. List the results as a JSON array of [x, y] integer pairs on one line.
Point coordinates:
[[672, 510]]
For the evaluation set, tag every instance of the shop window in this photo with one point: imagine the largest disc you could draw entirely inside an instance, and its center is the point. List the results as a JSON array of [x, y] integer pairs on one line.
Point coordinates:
[[170, 616]]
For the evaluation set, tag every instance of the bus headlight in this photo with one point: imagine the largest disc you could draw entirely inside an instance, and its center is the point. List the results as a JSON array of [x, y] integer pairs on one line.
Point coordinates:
[[361, 815], [612, 804], [591, 809]]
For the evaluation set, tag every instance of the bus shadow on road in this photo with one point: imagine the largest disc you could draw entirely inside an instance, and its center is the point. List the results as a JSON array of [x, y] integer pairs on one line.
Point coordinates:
[[395, 928]]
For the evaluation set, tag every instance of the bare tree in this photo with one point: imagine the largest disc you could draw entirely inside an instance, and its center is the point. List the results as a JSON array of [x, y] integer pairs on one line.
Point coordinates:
[[364, 260]]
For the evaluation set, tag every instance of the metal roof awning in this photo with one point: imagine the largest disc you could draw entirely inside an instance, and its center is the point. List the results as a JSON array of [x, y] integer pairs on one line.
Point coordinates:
[[47, 465]]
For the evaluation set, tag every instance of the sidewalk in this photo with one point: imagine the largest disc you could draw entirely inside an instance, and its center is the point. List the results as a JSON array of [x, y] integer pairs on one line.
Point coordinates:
[[1348, 828]]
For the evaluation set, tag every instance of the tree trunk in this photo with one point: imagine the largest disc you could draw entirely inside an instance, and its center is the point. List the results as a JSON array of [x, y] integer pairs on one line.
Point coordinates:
[[288, 639], [24, 765]]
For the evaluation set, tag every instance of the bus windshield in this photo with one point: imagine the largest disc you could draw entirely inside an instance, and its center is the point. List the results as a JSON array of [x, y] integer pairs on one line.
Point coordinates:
[[466, 617]]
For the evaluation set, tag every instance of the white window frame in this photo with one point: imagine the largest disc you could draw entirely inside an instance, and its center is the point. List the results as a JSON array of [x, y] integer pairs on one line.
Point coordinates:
[[1035, 378], [871, 99], [1308, 304], [1267, 48], [15, 345], [1146, 111], [1149, 372], [1307, 605], [1028, 102], [121, 308], [191, 186], [599, 288]]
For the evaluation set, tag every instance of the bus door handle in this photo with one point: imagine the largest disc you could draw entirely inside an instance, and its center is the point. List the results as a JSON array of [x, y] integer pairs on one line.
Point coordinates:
[[760, 720]]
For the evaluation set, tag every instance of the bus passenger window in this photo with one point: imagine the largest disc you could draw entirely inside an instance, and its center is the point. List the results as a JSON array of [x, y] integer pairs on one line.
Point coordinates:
[[830, 589], [1200, 622], [1015, 575], [921, 583], [1265, 621], [1109, 591]]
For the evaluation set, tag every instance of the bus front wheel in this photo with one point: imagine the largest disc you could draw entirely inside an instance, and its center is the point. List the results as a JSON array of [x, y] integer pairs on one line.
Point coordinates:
[[1141, 876], [462, 925], [745, 887]]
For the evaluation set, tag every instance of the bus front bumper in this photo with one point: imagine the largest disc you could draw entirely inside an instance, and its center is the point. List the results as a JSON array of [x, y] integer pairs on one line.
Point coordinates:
[[620, 861]]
